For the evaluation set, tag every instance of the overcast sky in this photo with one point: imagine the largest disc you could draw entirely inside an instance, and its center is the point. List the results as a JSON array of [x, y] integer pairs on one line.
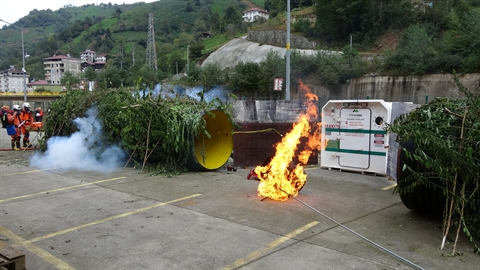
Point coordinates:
[[11, 10]]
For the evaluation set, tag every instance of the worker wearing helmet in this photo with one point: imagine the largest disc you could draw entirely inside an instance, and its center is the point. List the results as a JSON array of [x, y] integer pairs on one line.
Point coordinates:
[[14, 119], [4, 114], [26, 119]]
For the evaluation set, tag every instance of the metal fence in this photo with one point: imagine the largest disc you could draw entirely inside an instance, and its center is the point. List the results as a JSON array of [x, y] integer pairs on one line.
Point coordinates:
[[45, 105]]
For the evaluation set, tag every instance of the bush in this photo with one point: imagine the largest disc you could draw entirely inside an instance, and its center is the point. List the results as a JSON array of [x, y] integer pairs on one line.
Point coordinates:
[[446, 133]]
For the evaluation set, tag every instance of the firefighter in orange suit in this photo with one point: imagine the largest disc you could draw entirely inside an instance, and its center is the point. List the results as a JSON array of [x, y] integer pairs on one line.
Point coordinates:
[[14, 119], [26, 119]]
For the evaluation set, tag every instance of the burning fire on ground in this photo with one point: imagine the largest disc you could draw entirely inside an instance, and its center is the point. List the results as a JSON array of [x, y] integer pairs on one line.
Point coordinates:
[[284, 175]]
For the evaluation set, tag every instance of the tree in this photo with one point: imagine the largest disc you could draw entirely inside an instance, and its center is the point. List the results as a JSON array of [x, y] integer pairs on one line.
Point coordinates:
[[176, 59], [205, 14], [273, 66], [90, 74], [165, 48], [198, 28], [215, 23], [415, 51], [232, 15], [117, 13], [302, 65], [337, 20], [212, 76], [363, 19], [275, 7], [245, 78], [196, 50], [69, 80], [110, 77], [183, 40], [464, 39]]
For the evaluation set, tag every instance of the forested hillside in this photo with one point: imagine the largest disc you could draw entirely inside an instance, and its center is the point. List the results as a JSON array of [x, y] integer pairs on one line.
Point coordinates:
[[399, 37], [120, 31]]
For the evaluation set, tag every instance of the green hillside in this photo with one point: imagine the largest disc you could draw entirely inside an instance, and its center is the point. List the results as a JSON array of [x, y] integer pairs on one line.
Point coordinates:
[[405, 37], [39, 25], [113, 29]]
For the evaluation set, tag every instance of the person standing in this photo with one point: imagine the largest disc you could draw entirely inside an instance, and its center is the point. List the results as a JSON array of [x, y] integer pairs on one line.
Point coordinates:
[[14, 119], [38, 114], [4, 114], [26, 119]]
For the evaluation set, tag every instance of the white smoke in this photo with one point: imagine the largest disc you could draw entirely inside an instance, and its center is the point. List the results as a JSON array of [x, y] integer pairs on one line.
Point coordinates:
[[84, 150]]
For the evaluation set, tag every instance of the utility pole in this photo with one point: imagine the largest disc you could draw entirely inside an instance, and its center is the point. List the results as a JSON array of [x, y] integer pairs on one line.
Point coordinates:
[[23, 58], [133, 54], [151, 50], [188, 62], [287, 75]]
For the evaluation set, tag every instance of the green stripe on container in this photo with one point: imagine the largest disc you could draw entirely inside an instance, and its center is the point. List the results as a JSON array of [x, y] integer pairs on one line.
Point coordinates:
[[349, 151], [356, 130]]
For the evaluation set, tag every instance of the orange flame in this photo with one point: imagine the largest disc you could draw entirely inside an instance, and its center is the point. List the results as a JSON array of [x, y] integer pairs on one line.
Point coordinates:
[[284, 175]]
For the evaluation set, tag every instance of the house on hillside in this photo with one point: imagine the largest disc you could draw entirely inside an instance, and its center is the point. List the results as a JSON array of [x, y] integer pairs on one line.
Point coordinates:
[[254, 14], [101, 57], [12, 80], [92, 59], [56, 66], [88, 56], [97, 66], [43, 86], [36, 85]]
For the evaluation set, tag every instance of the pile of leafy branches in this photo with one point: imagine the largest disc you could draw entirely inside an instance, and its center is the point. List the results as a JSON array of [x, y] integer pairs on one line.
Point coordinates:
[[156, 133], [446, 134]]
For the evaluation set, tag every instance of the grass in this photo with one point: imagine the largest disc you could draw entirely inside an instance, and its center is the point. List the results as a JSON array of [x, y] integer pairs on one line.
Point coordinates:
[[213, 43], [219, 6], [80, 13], [259, 3], [172, 10]]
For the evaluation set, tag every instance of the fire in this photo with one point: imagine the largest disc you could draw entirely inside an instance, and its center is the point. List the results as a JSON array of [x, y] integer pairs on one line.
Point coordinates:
[[284, 174]]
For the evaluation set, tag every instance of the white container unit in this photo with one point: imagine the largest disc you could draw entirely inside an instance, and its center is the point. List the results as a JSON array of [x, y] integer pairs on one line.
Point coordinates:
[[357, 135]]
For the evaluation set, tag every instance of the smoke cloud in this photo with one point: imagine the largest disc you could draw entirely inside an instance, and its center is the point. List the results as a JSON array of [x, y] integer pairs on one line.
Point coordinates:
[[84, 150], [172, 91]]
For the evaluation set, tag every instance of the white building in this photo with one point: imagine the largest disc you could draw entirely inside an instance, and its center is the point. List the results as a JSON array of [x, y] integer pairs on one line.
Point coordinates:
[[88, 56], [56, 66], [254, 14], [102, 57], [12, 80]]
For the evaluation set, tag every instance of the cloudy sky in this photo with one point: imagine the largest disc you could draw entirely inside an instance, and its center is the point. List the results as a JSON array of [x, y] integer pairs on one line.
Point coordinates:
[[11, 11]]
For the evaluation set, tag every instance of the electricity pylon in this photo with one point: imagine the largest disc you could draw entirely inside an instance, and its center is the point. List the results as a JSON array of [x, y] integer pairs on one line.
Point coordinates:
[[151, 51]]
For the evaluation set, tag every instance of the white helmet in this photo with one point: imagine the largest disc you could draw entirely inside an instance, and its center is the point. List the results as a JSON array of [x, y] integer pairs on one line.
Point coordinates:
[[16, 107], [26, 105]]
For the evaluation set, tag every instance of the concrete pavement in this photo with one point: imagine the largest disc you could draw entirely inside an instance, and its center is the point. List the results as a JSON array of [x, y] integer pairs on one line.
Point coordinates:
[[210, 220]]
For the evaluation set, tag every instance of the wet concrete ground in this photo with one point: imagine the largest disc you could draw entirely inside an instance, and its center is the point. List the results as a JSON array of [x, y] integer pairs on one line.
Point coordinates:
[[211, 220]]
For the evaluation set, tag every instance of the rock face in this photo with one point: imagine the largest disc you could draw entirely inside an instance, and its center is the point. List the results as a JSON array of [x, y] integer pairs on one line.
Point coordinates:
[[241, 49], [278, 38]]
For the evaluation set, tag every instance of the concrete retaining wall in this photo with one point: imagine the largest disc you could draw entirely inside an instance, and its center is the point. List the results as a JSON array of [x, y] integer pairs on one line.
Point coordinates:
[[416, 89]]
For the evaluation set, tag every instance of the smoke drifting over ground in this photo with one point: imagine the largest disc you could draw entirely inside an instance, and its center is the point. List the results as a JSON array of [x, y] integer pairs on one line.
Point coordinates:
[[84, 150], [173, 91]]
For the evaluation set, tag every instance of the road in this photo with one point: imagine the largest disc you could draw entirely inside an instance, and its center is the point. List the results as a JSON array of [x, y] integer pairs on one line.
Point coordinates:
[[128, 219]]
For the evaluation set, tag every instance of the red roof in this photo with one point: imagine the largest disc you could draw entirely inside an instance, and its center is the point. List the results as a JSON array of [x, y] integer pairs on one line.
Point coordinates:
[[256, 9], [39, 82], [56, 57]]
